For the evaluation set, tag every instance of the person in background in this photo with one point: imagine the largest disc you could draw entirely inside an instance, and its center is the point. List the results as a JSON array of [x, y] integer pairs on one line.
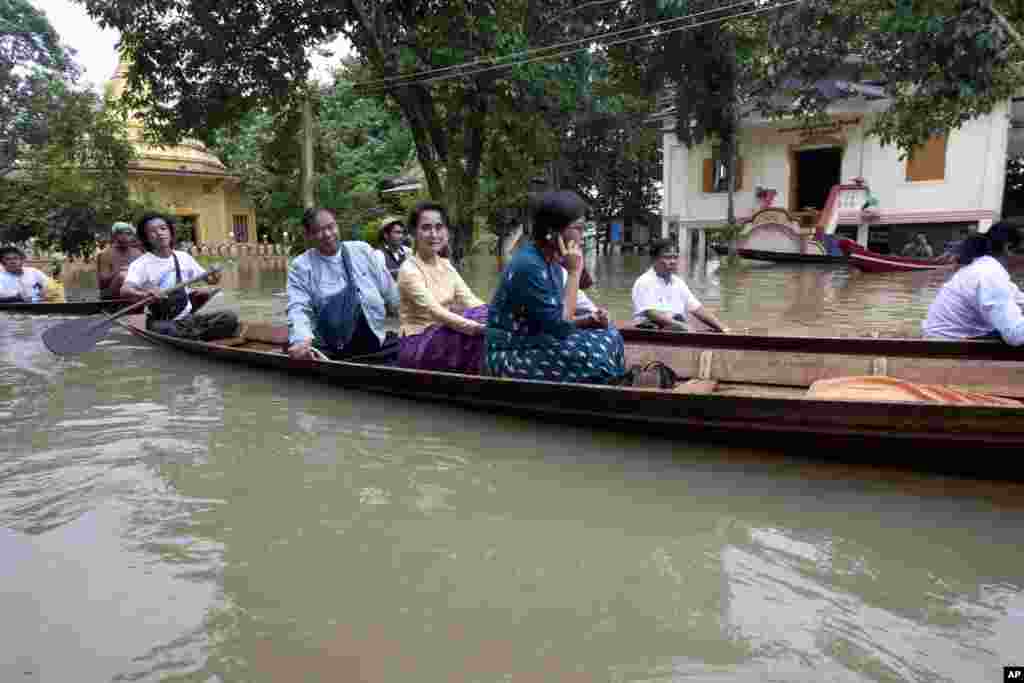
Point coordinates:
[[392, 251], [980, 300], [442, 320], [20, 283], [338, 296], [918, 247], [532, 328], [662, 299], [112, 263], [163, 267]]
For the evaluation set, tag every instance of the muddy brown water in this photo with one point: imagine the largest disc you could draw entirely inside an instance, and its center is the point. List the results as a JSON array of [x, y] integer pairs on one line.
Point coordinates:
[[168, 519]]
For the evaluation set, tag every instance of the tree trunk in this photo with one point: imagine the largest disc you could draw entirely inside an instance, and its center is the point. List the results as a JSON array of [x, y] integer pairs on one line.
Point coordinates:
[[308, 178], [730, 216]]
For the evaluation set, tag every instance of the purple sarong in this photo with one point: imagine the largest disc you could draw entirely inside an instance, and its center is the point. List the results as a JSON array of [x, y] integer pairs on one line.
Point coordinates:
[[442, 348]]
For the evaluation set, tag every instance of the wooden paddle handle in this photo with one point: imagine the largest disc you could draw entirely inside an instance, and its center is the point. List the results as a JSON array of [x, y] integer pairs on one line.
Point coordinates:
[[170, 290]]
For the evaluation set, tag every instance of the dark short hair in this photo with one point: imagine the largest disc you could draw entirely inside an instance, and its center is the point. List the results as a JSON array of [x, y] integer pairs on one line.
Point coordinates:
[[386, 230], [310, 214], [553, 211], [11, 249], [140, 228], [992, 243], [419, 209], [659, 247]]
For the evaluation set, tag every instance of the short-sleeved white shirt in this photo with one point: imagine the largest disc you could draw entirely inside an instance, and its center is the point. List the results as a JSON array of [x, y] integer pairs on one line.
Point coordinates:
[[652, 293], [149, 270], [30, 285]]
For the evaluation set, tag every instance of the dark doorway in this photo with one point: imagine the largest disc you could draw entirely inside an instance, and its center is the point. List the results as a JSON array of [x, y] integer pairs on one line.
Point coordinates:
[[188, 229], [817, 170]]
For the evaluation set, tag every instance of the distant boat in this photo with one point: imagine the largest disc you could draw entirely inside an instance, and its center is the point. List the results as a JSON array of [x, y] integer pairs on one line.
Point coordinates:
[[873, 262]]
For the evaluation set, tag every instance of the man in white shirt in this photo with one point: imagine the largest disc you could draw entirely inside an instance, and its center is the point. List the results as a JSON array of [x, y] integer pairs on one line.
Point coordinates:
[[662, 299], [980, 300], [18, 282], [162, 267]]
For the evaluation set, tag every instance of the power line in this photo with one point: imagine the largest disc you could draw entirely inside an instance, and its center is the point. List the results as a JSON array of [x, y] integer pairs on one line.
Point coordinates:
[[523, 56]]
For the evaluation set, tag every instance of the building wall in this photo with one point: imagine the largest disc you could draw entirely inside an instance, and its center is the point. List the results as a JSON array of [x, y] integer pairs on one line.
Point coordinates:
[[212, 201], [973, 182]]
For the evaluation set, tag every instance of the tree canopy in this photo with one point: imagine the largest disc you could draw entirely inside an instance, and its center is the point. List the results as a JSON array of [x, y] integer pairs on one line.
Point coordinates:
[[63, 155]]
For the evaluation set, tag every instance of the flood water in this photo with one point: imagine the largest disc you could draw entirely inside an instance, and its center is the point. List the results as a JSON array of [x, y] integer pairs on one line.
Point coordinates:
[[168, 519]]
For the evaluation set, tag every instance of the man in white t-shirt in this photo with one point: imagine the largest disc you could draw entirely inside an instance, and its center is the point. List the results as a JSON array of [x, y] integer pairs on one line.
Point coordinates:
[[18, 282], [162, 267], [662, 299]]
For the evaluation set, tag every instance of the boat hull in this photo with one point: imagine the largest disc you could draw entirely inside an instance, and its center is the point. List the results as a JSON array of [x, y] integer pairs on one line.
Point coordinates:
[[779, 257], [776, 418], [872, 262], [66, 308], [199, 298]]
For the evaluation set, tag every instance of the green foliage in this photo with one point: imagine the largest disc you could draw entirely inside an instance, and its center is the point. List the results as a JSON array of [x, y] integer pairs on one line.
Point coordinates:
[[941, 63], [494, 129], [359, 143], [70, 185], [32, 63]]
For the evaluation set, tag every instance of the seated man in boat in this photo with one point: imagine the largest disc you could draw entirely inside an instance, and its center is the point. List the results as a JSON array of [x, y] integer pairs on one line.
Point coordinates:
[[112, 263], [20, 283], [919, 247], [532, 329], [442, 320], [392, 251], [162, 267], [980, 300], [338, 296], [661, 298]]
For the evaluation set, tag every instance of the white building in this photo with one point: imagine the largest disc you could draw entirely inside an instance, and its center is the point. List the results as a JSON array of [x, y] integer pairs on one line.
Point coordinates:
[[954, 182]]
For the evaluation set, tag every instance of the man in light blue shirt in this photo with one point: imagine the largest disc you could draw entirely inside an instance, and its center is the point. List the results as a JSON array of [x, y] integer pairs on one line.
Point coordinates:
[[325, 310]]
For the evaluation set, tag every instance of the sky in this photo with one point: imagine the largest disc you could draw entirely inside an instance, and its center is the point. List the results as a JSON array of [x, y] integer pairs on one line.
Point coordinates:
[[96, 48]]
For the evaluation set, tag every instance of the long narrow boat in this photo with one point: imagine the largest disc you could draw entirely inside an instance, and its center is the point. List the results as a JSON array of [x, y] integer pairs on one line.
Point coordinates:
[[779, 256], [90, 307], [731, 393], [85, 307], [873, 262]]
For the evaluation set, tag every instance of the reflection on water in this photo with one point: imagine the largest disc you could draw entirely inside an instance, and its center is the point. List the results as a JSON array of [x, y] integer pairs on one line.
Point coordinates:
[[162, 518]]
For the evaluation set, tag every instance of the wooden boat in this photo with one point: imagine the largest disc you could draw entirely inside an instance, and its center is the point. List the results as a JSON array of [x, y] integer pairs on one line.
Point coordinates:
[[755, 394], [778, 256], [85, 307], [199, 298], [872, 262]]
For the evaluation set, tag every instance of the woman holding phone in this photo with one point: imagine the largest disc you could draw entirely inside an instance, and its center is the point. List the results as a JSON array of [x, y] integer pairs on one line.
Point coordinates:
[[532, 328]]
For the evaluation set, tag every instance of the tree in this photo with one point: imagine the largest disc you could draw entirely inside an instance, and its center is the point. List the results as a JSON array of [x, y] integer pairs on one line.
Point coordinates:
[[72, 183], [942, 63], [241, 56], [359, 142], [31, 60]]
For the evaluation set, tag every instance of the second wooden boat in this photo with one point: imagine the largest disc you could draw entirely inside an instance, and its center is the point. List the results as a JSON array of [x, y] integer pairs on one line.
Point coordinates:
[[730, 393], [199, 298], [873, 262]]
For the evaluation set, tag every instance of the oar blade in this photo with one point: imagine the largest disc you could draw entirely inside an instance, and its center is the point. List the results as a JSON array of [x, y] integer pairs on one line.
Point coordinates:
[[76, 336]]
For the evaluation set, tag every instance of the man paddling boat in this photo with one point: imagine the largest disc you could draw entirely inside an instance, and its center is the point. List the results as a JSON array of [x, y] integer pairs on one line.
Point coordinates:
[[112, 263], [163, 267]]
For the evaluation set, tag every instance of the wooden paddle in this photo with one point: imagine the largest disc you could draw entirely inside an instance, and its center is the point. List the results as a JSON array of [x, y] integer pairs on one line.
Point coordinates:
[[79, 336]]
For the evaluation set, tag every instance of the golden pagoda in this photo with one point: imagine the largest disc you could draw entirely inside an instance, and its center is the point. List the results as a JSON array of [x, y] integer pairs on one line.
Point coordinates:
[[187, 180]]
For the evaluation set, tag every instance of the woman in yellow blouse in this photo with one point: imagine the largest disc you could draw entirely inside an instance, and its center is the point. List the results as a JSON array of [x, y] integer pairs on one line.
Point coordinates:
[[442, 320]]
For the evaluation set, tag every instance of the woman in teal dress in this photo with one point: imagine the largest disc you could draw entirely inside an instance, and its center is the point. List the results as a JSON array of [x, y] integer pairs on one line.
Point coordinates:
[[532, 328]]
